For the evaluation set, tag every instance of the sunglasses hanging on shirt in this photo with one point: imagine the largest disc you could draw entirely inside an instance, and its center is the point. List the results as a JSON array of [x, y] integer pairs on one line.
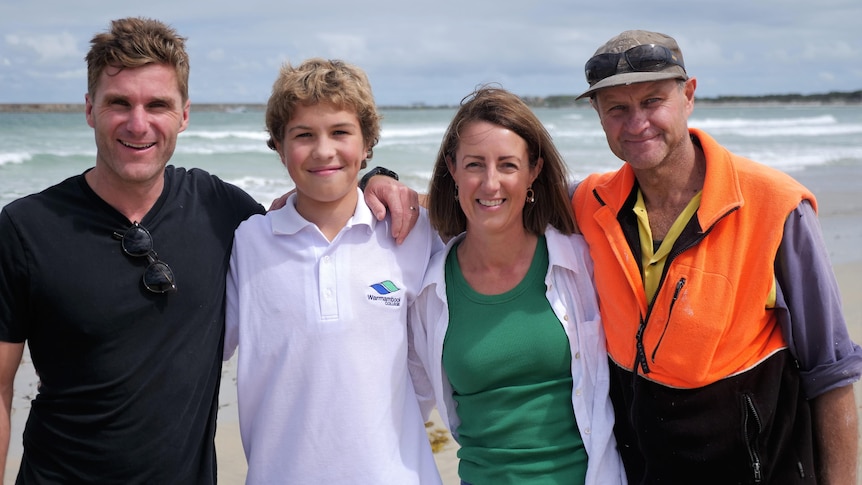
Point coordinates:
[[138, 243]]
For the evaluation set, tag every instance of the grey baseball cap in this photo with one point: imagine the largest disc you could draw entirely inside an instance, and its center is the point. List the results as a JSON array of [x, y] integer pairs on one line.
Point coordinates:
[[634, 56]]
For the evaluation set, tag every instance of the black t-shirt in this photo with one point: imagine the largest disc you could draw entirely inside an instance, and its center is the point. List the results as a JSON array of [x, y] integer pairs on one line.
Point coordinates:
[[128, 378]]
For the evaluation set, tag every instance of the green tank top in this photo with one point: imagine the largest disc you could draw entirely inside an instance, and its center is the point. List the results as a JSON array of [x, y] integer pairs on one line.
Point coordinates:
[[509, 362]]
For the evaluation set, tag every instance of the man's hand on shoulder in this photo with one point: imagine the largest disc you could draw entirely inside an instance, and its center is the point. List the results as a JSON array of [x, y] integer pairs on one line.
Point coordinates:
[[280, 202], [384, 192]]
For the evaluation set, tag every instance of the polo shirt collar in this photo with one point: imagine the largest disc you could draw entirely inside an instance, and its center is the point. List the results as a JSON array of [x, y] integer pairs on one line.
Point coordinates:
[[287, 220]]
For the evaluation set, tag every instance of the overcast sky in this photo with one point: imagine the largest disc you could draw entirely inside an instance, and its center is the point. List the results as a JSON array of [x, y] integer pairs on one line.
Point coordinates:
[[437, 51]]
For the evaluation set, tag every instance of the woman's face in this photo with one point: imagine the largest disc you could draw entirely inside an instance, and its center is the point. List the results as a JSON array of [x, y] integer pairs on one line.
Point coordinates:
[[492, 172]]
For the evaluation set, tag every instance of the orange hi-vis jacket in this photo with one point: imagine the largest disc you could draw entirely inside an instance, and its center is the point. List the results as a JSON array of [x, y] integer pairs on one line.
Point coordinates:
[[709, 318], [703, 386]]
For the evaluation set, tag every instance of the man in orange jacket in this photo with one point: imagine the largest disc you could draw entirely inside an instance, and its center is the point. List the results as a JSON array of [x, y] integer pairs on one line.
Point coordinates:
[[726, 366]]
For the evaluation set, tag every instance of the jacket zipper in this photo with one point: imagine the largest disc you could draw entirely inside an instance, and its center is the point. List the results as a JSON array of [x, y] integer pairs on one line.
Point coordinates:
[[640, 358], [676, 292], [752, 419]]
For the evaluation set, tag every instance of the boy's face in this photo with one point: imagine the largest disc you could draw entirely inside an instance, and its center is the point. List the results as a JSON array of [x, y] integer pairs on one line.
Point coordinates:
[[323, 149]]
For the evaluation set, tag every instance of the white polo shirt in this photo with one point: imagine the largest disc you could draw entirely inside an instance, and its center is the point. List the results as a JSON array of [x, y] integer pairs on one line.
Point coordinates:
[[322, 377]]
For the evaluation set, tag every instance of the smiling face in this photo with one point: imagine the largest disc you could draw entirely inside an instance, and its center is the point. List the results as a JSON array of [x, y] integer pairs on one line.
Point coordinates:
[[136, 114], [492, 172], [646, 123], [323, 149]]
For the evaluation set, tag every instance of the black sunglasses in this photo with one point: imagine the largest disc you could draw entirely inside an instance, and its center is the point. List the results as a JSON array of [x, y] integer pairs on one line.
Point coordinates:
[[641, 58], [137, 242]]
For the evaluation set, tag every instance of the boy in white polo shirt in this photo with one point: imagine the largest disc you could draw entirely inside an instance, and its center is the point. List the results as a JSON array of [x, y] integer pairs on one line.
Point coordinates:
[[317, 297]]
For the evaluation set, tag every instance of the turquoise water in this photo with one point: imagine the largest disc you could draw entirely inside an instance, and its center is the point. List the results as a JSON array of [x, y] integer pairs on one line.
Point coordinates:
[[38, 150]]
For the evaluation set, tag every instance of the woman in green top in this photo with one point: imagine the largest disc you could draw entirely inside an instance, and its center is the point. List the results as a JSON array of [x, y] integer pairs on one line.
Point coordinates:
[[506, 326]]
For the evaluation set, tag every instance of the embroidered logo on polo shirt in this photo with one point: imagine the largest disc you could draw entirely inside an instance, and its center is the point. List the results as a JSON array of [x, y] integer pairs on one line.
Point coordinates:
[[384, 293]]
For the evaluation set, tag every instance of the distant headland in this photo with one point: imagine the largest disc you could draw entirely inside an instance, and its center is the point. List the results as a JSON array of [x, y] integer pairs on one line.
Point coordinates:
[[79, 107], [831, 98], [556, 101]]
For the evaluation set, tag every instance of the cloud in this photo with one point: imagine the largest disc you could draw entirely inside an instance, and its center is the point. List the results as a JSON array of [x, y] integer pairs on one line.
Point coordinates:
[[827, 76], [216, 55], [47, 47], [347, 46], [436, 52]]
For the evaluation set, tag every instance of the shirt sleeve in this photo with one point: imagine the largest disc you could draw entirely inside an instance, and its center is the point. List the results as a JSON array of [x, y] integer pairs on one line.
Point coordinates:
[[231, 333], [417, 358], [573, 186], [808, 303], [14, 286]]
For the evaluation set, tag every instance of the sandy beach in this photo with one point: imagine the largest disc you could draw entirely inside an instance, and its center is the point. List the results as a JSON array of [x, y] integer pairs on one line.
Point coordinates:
[[839, 196]]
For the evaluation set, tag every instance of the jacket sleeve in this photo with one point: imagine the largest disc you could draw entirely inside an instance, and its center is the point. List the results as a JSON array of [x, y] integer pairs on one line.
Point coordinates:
[[809, 307]]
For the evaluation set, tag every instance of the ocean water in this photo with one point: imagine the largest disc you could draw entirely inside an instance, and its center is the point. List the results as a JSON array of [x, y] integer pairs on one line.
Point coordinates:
[[39, 150], [822, 146]]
